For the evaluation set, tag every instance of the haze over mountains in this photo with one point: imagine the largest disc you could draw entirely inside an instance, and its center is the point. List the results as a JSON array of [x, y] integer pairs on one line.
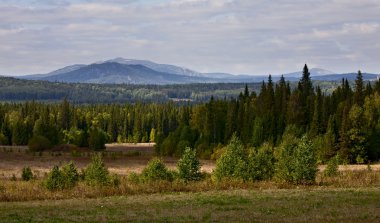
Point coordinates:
[[120, 70]]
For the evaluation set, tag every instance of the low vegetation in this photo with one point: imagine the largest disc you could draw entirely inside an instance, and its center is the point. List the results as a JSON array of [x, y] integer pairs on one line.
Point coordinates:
[[264, 167], [276, 205]]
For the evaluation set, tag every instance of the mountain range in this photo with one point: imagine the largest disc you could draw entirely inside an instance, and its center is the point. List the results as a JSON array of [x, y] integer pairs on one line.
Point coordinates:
[[120, 70]]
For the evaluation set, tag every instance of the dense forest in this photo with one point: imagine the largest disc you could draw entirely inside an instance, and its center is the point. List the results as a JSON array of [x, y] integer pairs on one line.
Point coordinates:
[[345, 121], [16, 90]]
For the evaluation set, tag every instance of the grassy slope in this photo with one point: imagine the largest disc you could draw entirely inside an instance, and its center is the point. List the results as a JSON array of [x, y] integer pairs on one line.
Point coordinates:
[[280, 205]]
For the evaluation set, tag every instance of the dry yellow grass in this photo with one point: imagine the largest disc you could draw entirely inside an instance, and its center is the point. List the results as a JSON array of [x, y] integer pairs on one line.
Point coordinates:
[[11, 163]]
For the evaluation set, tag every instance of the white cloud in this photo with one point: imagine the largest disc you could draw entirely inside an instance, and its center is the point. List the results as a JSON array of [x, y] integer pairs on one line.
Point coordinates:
[[238, 36]]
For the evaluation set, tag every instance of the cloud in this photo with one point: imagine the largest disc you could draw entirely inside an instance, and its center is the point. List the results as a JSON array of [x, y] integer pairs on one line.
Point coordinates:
[[237, 36]]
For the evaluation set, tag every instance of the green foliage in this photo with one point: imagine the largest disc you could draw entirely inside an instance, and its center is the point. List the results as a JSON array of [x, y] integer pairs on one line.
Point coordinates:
[[39, 143], [27, 174], [296, 161], [3, 139], [70, 175], [55, 179], [285, 165], [97, 174], [261, 163], [332, 167], [133, 177], [306, 167], [232, 164], [189, 166], [339, 120], [155, 171], [181, 146], [152, 135], [97, 139], [65, 178], [74, 136], [169, 145]]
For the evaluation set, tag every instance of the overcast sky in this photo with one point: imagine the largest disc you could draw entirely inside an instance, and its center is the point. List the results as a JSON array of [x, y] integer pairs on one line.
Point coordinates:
[[236, 36]]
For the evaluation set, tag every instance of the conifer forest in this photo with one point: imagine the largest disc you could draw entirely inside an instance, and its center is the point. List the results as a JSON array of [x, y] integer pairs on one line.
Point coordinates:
[[343, 122]]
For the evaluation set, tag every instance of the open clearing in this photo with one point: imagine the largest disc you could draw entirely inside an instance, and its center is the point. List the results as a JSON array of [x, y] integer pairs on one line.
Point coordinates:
[[12, 162], [353, 196], [280, 205]]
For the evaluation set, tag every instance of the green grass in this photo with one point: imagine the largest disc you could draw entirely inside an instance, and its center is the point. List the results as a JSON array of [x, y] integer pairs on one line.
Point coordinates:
[[279, 205]]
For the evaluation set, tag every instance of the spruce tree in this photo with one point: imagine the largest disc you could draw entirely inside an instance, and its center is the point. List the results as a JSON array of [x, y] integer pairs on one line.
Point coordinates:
[[359, 89]]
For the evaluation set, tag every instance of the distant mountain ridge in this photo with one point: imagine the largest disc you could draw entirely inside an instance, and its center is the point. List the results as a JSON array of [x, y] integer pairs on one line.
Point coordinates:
[[131, 71], [313, 72]]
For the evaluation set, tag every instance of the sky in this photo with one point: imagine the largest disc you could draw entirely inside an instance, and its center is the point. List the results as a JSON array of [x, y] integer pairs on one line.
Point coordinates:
[[256, 37]]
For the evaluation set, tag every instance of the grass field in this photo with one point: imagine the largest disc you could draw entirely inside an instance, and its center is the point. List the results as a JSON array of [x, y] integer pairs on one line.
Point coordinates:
[[351, 196], [281, 205]]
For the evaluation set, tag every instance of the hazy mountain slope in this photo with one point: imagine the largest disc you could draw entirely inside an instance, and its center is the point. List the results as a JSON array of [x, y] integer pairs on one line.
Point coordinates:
[[120, 70], [313, 72], [111, 72], [164, 68]]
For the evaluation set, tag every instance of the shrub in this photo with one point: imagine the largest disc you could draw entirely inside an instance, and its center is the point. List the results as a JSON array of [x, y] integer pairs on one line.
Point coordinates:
[[55, 179], [217, 152], [181, 146], [296, 161], [261, 163], [66, 178], [306, 167], [133, 177], [70, 175], [26, 174], [189, 166], [156, 170], [332, 167], [39, 143], [232, 163], [96, 174]]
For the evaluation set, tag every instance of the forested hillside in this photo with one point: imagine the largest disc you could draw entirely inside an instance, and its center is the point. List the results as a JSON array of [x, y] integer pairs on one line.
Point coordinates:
[[12, 89], [345, 122]]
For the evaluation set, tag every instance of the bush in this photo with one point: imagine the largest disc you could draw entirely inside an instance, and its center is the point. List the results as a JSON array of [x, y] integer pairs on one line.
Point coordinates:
[[96, 174], [55, 179], [133, 177], [70, 175], [39, 143], [27, 174], [232, 163], [156, 170], [261, 163], [306, 167], [217, 152], [189, 166], [66, 178], [332, 167], [296, 161]]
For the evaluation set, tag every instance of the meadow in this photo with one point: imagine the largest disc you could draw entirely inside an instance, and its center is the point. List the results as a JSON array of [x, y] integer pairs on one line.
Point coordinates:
[[350, 196], [238, 205]]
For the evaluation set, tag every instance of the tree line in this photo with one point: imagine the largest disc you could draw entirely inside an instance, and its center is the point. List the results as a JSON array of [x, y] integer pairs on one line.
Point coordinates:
[[12, 89], [344, 122]]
